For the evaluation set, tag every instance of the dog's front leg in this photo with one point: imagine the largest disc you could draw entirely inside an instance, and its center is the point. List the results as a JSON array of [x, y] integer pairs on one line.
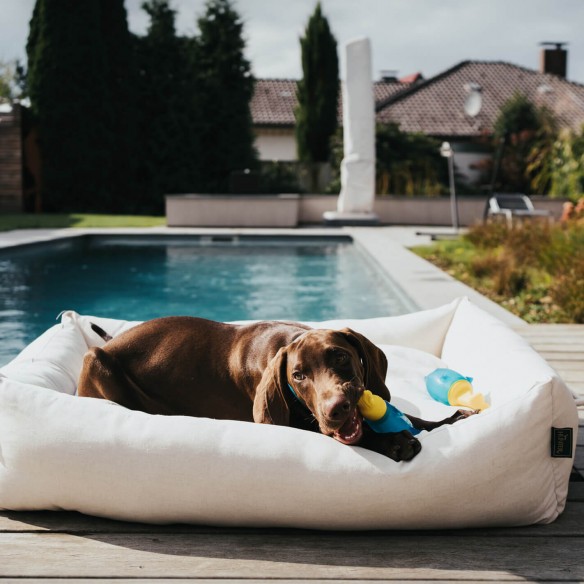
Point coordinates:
[[399, 446], [420, 424]]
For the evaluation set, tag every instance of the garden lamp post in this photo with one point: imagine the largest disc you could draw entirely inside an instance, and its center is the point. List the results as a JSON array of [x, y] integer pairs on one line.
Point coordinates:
[[448, 153]]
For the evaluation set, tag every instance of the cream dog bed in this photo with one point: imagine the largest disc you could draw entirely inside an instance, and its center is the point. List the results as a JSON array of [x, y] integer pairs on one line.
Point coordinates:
[[509, 465]]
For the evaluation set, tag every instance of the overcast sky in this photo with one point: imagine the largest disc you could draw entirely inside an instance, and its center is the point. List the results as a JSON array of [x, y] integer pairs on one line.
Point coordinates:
[[428, 36]]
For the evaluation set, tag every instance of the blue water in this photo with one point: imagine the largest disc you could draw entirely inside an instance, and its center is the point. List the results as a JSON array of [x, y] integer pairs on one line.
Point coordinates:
[[137, 279]]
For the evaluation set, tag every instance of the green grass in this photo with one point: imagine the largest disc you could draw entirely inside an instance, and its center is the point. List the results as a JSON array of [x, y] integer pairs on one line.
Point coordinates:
[[56, 221], [535, 271]]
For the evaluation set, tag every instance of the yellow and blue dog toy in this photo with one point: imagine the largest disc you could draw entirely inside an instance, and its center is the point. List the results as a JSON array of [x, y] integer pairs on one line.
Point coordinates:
[[453, 389], [381, 416]]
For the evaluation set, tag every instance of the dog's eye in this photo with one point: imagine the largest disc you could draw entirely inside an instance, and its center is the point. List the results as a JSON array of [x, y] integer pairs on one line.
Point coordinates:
[[341, 358], [298, 376]]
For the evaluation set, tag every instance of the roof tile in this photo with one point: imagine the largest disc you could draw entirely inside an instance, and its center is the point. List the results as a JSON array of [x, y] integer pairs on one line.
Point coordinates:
[[436, 106], [274, 100]]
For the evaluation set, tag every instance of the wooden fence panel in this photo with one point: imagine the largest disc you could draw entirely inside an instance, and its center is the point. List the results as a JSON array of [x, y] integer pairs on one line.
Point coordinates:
[[11, 191]]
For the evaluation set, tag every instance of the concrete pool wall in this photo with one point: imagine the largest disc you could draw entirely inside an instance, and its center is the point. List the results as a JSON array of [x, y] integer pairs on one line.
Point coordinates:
[[292, 210]]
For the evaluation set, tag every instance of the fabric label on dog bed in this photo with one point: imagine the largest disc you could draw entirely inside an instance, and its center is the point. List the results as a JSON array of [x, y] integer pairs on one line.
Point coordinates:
[[562, 442]]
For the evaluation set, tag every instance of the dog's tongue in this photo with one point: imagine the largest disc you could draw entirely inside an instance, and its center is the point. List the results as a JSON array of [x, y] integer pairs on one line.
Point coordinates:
[[351, 431]]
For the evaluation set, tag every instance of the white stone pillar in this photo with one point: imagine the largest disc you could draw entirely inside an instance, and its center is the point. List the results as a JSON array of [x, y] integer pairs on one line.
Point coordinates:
[[355, 203]]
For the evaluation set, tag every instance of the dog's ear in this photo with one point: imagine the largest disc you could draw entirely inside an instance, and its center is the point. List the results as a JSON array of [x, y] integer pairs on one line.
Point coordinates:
[[374, 362], [269, 405]]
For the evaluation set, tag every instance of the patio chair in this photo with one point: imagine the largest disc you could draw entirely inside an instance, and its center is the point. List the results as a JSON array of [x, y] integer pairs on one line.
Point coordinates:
[[512, 206]]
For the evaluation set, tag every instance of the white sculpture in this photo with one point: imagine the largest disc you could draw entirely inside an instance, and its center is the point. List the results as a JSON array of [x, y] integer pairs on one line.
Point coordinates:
[[355, 204]]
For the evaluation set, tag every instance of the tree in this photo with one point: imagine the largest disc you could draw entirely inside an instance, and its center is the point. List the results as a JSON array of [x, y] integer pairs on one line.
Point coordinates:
[[515, 133], [566, 172], [71, 104], [318, 91], [12, 83], [225, 87], [121, 81], [169, 129]]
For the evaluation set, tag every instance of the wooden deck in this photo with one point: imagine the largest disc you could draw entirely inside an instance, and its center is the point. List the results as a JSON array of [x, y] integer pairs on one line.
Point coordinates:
[[55, 546]]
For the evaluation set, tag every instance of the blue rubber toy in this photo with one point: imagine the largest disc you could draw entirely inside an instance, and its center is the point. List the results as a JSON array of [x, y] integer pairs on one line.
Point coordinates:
[[453, 389]]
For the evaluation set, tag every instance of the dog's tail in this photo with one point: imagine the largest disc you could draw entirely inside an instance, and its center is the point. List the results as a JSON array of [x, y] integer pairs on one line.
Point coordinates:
[[101, 332]]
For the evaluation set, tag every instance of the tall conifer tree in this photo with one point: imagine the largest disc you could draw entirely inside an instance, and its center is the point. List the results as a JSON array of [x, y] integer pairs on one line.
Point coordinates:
[[121, 80], [169, 116], [225, 87], [71, 103], [316, 114]]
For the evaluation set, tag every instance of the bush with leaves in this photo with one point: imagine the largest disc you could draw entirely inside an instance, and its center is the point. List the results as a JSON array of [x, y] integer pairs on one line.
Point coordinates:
[[406, 164], [535, 156], [515, 132], [567, 165], [536, 270], [12, 81]]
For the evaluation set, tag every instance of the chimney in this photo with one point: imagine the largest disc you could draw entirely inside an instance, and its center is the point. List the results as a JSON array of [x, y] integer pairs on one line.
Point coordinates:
[[554, 58], [389, 75]]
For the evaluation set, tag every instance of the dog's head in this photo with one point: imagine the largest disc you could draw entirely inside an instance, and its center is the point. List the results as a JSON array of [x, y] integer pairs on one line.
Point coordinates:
[[327, 371]]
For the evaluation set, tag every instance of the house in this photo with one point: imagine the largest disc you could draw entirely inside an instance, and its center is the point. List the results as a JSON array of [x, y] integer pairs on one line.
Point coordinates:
[[459, 105], [273, 104]]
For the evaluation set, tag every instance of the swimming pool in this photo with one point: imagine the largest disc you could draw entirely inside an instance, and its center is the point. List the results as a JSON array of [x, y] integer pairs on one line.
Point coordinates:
[[221, 278]]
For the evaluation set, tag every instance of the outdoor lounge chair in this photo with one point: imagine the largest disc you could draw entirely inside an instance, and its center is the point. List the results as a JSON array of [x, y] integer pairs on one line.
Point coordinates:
[[512, 206]]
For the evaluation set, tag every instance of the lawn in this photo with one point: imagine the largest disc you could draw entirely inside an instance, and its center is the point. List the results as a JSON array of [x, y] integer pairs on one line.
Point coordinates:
[[55, 221], [534, 270]]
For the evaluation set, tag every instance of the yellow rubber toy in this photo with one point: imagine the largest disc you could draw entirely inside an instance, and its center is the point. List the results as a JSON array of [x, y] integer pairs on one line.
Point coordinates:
[[382, 417], [461, 394]]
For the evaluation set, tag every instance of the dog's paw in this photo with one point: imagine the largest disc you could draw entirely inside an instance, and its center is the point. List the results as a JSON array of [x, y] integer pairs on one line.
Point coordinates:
[[401, 446], [463, 414]]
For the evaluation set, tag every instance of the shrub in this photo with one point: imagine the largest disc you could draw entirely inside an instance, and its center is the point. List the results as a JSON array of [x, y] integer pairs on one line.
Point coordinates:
[[568, 291], [536, 270], [510, 279], [486, 235], [484, 266], [528, 241]]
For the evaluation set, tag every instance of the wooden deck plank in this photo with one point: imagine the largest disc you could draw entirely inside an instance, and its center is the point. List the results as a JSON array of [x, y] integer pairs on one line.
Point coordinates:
[[568, 365], [304, 556], [576, 347], [257, 580], [570, 523], [196, 580], [562, 346]]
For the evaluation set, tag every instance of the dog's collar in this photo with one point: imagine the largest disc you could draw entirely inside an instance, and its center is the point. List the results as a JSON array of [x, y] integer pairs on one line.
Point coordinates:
[[298, 398]]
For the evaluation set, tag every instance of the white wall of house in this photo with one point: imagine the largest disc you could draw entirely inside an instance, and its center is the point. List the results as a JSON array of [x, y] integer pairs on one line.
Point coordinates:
[[276, 143]]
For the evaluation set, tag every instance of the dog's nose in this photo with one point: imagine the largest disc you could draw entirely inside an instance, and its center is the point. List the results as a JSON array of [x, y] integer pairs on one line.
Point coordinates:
[[336, 408]]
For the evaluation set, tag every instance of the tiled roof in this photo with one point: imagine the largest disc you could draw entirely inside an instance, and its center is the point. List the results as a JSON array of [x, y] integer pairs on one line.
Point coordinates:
[[413, 78], [274, 100], [436, 106]]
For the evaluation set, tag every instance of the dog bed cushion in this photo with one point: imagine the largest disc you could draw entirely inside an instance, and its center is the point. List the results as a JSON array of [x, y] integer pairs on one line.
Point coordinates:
[[62, 452]]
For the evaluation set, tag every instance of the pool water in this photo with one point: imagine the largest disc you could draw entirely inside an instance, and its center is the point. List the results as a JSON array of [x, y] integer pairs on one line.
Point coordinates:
[[132, 278]]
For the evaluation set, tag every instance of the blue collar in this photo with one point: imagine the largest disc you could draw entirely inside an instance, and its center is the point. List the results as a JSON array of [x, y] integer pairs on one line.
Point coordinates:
[[296, 395], [293, 392]]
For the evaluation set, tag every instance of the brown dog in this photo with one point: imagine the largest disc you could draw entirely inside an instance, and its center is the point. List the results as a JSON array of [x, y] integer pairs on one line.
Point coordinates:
[[269, 372]]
